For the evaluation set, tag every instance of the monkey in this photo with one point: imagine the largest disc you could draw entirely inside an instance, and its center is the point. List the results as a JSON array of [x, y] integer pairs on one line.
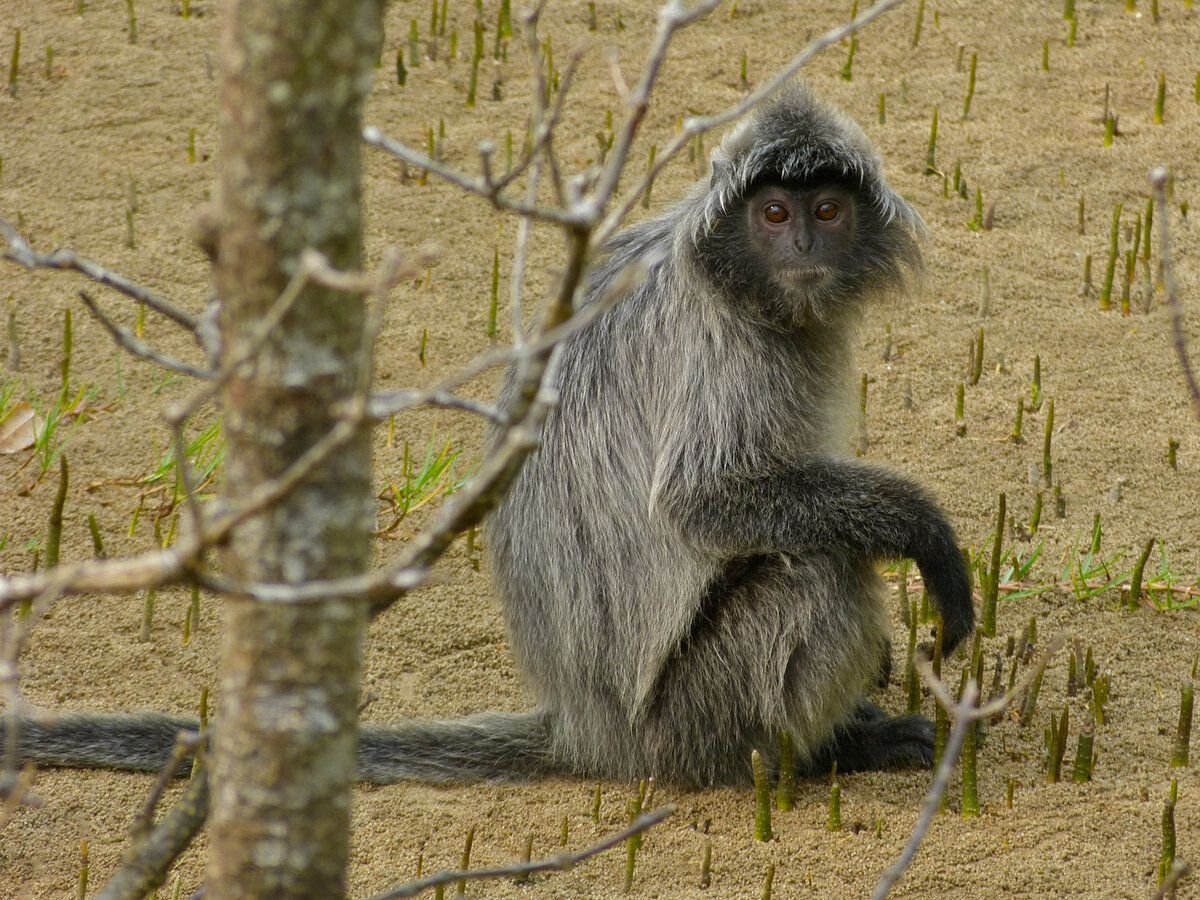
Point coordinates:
[[688, 562]]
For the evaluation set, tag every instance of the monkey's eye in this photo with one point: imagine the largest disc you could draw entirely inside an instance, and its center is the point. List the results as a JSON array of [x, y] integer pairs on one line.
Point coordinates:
[[776, 213], [827, 211]]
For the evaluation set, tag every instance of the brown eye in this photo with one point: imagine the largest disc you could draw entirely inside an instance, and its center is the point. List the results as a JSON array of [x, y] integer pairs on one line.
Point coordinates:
[[775, 213], [827, 211]]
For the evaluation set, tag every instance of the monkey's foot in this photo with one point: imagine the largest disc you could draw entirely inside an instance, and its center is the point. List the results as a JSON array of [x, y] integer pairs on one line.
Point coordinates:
[[874, 740]]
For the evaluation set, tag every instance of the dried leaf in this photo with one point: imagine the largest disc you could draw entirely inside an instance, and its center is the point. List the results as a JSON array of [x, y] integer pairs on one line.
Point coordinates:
[[18, 428]]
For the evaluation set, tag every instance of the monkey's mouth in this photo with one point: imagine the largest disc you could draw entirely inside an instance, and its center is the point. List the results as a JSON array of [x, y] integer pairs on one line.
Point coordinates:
[[805, 276]]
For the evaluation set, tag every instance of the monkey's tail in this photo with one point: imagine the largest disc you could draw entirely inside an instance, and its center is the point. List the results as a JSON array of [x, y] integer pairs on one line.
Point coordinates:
[[139, 742], [491, 746]]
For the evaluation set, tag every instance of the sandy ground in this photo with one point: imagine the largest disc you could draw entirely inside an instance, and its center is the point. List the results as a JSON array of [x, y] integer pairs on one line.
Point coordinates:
[[103, 115]]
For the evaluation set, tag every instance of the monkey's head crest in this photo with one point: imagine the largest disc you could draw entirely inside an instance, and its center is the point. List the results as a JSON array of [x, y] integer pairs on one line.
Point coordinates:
[[796, 137]]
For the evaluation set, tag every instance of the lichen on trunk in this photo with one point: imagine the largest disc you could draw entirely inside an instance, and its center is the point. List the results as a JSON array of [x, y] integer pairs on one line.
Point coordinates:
[[294, 75]]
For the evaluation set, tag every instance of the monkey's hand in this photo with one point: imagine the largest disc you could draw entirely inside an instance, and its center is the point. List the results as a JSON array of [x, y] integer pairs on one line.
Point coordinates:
[[946, 577]]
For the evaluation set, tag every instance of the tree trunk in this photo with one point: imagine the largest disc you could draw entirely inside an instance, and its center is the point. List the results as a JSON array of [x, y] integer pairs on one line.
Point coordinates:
[[294, 76]]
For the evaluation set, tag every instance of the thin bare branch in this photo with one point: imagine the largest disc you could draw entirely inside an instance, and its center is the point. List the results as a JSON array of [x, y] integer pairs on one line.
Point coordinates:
[[964, 716], [700, 124], [22, 254], [478, 186], [1158, 182], [129, 342], [560, 862], [1179, 871], [144, 868], [184, 470], [388, 403], [671, 18], [187, 743]]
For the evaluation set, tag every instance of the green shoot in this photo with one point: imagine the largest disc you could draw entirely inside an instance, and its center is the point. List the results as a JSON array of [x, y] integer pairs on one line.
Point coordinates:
[[205, 454], [1015, 435], [1085, 756], [1035, 386], [421, 485], [977, 221], [1166, 859], [992, 584], [969, 758], [14, 63], [931, 151], [848, 67], [762, 798], [835, 802], [1113, 239], [494, 301], [1047, 438], [1135, 580], [1183, 733], [970, 87], [920, 19], [54, 528], [1057, 745], [64, 367]]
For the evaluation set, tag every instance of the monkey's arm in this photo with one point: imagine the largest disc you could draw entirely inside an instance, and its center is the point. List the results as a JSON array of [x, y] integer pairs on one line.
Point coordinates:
[[828, 503]]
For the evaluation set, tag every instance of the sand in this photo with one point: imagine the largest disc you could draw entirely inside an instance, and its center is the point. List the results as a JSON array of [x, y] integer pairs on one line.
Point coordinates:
[[104, 115]]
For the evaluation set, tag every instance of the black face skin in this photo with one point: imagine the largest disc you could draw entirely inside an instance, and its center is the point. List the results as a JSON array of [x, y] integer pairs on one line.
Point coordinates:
[[804, 234]]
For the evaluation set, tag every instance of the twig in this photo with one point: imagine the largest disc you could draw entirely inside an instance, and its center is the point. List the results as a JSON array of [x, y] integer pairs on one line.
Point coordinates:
[[671, 18], [1179, 871], [138, 348], [144, 868], [700, 124], [473, 185], [187, 743], [385, 404], [560, 862], [946, 699], [22, 254], [184, 469], [965, 714], [1158, 182]]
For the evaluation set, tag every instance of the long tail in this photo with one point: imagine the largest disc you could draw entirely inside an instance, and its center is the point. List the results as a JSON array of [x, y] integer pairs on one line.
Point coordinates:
[[138, 743], [484, 747], [489, 746]]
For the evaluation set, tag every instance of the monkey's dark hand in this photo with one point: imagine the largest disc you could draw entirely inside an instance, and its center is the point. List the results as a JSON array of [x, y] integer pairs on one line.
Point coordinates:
[[947, 579]]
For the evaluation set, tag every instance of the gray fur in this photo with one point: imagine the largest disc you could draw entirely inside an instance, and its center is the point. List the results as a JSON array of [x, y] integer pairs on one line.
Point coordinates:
[[687, 565]]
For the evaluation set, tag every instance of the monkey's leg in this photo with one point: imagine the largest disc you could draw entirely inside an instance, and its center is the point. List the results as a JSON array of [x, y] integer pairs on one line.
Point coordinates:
[[874, 740], [779, 643]]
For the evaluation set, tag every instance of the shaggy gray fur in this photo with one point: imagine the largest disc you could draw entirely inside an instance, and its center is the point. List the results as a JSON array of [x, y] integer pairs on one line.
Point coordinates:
[[687, 565]]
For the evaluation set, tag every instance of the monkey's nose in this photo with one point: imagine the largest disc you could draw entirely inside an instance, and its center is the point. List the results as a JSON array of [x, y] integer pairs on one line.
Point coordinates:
[[803, 243]]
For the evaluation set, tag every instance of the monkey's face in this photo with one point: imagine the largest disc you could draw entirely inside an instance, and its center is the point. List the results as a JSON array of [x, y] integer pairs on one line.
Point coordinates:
[[803, 236]]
